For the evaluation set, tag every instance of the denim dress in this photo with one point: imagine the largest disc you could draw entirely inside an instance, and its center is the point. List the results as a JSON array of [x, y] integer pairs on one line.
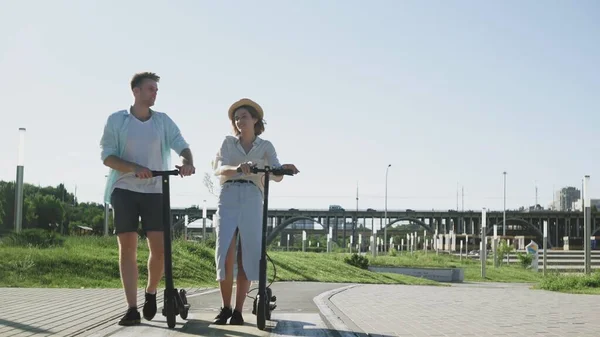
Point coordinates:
[[240, 205]]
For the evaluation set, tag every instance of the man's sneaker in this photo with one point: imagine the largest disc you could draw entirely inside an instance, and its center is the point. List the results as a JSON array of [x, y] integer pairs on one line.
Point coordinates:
[[149, 306], [236, 318], [132, 317], [223, 316]]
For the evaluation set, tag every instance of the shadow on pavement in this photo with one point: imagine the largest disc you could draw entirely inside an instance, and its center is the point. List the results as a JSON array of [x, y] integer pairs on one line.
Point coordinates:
[[24, 327], [300, 328], [198, 327]]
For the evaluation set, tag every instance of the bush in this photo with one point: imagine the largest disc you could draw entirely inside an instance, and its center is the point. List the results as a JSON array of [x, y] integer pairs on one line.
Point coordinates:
[[561, 282], [503, 250], [358, 261], [35, 237], [210, 243], [525, 259]]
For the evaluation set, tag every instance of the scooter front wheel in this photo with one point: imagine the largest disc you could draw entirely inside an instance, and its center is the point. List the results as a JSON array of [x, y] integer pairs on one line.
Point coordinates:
[[169, 312]]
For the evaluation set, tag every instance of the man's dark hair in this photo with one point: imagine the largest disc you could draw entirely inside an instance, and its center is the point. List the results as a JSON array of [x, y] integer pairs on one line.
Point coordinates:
[[138, 78]]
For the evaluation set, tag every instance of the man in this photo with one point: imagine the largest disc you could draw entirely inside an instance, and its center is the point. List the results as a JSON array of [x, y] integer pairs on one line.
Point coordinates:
[[135, 142]]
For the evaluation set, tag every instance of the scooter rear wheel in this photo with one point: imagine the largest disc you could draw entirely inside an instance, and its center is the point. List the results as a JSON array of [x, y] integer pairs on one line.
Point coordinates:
[[183, 311], [268, 299], [261, 312]]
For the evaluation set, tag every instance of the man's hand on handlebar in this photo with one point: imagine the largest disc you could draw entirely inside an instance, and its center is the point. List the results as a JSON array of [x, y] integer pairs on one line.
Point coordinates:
[[143, 172], [186, 170]]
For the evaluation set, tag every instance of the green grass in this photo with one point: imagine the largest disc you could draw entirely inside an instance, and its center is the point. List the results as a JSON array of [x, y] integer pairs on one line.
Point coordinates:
[[92, 262], [472, 268], [566, 283], [572, 283]]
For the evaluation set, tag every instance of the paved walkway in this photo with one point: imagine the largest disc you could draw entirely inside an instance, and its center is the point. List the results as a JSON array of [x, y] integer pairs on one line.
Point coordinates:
[[466, 310], [317, 309], [63, 312], [95, 313]]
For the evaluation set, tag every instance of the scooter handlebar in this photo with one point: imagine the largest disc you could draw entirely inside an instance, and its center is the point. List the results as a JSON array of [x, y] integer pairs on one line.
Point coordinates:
[[273, 171], [165, 173]]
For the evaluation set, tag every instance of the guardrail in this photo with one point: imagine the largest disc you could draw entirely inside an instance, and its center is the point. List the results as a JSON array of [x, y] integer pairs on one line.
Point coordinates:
[[557, 260]]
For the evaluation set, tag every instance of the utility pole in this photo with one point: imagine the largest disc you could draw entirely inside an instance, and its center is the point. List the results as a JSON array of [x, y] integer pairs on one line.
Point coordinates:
[[62, 223], [457, 197], [483, 243], [587, 224], [504, 211], [106, 213], [19, 182], [386, 219], [356, 220], [462, 219], [463, 198]]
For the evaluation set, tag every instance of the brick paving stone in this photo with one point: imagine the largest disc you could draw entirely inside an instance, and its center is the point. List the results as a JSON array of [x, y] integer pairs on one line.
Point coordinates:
[[468, 310], [64, 312]]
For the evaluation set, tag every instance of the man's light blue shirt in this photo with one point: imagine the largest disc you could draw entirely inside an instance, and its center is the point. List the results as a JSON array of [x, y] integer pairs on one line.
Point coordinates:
[[114, 140]]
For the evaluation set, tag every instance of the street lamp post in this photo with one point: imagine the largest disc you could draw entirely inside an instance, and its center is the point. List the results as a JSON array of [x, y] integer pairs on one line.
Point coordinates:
[[587, 226], [19, 182], [204, 213], [106, 213], [386, 218], [504, 209]]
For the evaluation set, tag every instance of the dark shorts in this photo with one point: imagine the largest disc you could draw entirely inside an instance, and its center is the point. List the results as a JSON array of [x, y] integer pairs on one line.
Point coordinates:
[[129, 206]]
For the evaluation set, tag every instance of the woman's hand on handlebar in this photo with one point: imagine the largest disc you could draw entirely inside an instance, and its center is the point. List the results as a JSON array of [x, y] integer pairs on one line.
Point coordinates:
[[246, 168], [291, 167]]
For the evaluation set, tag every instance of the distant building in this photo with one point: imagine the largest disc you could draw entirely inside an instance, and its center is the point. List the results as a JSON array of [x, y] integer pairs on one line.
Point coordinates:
[[534, 208], [577, 205], [565, 197]]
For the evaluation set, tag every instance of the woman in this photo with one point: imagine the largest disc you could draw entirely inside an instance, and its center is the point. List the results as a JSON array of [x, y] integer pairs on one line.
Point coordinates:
[[240, 205]]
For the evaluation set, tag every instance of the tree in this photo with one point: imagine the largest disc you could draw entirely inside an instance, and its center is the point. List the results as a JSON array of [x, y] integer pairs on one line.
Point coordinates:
[[87, 214], [29, 215], [7, 195], [48, 211], [1, 214]]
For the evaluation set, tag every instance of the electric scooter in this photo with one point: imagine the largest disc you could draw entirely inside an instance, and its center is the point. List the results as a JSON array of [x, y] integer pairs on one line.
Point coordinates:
[[175, 303], [264, 302]]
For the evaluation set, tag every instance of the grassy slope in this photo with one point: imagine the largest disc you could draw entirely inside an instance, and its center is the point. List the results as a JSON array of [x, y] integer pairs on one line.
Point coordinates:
[[93, 262], [472, 268]]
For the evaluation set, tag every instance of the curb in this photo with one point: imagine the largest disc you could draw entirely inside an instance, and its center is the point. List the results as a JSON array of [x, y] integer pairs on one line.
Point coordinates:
[[333, 317]]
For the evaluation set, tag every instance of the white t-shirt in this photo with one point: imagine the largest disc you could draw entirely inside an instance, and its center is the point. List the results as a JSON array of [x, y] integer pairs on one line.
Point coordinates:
[[142, 147]]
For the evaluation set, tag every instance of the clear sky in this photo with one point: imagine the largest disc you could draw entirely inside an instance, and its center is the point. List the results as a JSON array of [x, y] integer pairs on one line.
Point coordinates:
[[450, 93]]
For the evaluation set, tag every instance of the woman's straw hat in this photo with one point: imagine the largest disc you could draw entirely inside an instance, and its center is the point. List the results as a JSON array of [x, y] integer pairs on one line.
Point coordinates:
[[245, 102]]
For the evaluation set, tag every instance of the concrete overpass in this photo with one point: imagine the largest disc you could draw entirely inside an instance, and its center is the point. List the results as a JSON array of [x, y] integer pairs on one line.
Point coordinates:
[[349, 223]]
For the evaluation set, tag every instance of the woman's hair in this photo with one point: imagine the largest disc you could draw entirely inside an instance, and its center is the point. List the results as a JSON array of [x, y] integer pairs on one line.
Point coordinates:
[[259, 127]]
